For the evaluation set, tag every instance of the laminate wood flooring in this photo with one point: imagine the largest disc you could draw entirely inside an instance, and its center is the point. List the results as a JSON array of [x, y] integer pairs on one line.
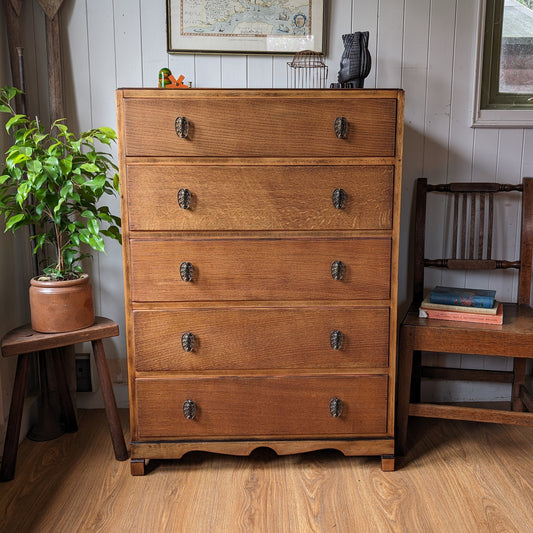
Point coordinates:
[[457, 477]]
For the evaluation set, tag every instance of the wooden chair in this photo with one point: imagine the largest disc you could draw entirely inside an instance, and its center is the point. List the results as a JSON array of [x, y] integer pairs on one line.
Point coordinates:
[[472, 213], [23, 341]]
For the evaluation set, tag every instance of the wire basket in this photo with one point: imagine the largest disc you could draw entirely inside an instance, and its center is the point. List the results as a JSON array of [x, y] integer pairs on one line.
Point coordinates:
[[307, 70]]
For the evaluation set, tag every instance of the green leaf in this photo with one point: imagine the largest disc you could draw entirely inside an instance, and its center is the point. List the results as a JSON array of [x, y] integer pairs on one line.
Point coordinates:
[[93, 226], [97, 243], [66, 190], [87, 214], [66, 165], [15, 219], [23, 192], [84, 235], [89, 167], [116, 182], [34, 166], [16, 121], [96, 183]]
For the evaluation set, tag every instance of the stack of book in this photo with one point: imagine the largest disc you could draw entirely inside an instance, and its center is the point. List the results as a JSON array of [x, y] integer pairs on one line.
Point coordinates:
[[464, 305]]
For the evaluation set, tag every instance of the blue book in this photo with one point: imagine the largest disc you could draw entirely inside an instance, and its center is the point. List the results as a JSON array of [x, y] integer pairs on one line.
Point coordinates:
[[464, 297]]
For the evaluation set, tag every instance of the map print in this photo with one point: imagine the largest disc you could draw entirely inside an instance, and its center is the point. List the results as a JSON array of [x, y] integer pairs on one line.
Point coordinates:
[[245, 18]]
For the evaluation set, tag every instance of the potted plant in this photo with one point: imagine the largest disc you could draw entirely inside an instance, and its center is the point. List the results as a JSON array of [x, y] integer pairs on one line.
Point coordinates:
[[53, 181]]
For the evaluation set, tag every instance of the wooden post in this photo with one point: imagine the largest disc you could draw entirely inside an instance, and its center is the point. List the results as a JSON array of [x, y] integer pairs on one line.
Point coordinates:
[[12, 9], [53, 48]]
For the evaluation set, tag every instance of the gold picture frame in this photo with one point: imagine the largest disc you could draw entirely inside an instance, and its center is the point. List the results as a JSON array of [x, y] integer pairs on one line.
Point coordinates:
[[245, 26]]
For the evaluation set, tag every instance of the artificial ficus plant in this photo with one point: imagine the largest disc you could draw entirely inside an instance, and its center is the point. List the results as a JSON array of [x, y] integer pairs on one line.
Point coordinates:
[[54, 180]]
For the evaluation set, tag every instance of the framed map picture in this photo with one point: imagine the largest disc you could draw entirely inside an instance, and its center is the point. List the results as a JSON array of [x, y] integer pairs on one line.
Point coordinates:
[[245, 26]]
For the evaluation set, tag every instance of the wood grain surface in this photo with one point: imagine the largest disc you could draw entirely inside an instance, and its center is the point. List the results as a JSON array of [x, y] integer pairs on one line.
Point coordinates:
[[290, 125], [260, 269], [457, 476], [261, 338], [264, 197]]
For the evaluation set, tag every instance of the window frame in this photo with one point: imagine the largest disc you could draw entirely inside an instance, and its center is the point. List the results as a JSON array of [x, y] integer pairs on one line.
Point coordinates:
[[502, 113]]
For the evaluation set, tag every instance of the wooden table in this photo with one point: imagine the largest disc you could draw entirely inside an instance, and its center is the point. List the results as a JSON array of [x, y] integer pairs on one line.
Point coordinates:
[[23, 341]]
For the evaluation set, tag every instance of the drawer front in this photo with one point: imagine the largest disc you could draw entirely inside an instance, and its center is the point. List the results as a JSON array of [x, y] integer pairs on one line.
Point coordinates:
[[249, 338], [260, 269], [260, 127], [259, 198], [284, 407]]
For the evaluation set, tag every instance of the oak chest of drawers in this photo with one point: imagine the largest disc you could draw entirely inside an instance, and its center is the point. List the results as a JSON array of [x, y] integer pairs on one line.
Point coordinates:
[[260, 248]]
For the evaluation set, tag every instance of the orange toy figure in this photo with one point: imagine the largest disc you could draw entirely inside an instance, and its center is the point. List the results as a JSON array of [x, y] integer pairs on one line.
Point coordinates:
[[168, 81]]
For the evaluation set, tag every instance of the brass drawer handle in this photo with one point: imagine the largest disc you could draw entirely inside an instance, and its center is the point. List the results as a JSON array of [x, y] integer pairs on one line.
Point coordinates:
[[184, 198], [341, 127], [189, 409], [186, 271], [335, 407], [336, 338], [181, 125], [187, 341], [337, 270], [338, 198]]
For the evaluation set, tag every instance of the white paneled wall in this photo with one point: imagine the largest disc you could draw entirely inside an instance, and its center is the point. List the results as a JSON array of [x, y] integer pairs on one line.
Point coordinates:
[[426, 47]]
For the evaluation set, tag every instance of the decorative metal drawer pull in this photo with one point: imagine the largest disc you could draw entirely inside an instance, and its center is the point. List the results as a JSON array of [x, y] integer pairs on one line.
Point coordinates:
[[189, 409], [184, 198], [337, 270], [341, 127], [182, 127], [335, 407], [186, 271], [338, 198], [187, 341], [336, 339]]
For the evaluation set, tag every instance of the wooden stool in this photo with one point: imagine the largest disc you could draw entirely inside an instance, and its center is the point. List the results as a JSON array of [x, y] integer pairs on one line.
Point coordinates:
[[22, 342]]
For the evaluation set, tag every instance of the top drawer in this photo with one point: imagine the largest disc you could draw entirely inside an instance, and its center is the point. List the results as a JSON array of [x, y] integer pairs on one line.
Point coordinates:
[[266, 126]]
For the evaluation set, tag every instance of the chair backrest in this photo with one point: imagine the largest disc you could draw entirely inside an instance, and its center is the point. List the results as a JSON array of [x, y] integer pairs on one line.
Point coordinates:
[[470, 224]]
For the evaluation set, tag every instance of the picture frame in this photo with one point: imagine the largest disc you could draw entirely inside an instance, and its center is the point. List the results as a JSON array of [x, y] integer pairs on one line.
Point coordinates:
[[245, 26]]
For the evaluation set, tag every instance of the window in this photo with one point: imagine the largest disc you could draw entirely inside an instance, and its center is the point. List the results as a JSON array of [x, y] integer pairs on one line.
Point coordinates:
[[505, 67]]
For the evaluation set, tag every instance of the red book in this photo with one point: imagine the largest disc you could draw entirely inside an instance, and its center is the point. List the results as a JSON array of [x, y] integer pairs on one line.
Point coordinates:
[[442, 314]]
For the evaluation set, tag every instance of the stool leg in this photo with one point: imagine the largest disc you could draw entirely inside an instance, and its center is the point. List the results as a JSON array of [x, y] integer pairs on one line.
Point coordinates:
[[71, 424], [113, 419], [9, 459]]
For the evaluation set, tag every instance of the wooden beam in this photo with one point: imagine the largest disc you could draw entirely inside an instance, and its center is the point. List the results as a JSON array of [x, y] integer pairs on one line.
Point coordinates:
[[475, 414]]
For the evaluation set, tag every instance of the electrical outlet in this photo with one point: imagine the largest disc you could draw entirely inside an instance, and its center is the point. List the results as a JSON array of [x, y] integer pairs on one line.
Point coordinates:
[[83, 373]]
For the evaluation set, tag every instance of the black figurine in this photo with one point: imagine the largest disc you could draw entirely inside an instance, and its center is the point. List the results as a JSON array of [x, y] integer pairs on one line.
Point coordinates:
[[355, 60]]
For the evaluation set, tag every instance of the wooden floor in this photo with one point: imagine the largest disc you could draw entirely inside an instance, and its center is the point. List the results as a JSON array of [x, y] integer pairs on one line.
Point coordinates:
[[458, 477]]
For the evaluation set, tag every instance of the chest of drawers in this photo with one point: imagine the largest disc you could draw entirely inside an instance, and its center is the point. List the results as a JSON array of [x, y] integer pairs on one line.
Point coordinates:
[[260, 255]]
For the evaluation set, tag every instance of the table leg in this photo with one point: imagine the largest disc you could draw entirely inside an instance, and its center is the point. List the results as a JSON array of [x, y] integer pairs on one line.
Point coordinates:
[[71, 424], [9, 459], [113, 419]]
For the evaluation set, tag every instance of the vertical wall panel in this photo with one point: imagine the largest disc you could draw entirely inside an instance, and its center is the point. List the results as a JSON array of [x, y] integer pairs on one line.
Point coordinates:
[[259, 75], [340, 23], [527, 159], [234, 71], [279, 71], [414, 77], [208, 71], [127, 34], [179, 65], [76, 72], [153, 40], [107, 273], [389, 44], [365, 18]]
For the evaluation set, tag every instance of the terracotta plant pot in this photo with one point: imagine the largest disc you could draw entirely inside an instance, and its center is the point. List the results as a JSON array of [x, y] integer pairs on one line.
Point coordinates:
[[59, 306]]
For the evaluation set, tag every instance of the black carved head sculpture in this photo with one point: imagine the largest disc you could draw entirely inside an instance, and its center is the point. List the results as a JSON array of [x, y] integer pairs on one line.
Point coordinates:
[[356, 60]]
